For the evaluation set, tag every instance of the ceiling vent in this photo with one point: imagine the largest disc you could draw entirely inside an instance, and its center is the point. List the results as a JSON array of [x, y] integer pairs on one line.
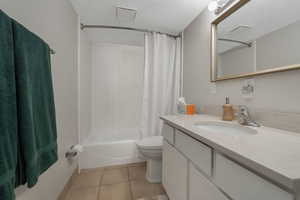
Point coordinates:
[[240, 28], [126, 15]]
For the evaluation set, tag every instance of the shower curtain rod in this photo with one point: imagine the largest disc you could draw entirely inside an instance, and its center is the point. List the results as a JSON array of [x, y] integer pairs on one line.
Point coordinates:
[[236, 41], [83, 26]]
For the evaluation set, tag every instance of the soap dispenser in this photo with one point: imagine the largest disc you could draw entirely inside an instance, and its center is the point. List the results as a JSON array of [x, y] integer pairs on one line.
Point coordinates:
[[228, 114]]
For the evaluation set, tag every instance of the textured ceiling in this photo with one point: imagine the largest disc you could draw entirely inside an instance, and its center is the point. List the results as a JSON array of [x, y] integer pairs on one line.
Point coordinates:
[[170, 16]]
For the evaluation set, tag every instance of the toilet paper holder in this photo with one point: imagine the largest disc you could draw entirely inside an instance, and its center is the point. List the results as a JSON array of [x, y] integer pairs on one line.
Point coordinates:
[[73, 151]]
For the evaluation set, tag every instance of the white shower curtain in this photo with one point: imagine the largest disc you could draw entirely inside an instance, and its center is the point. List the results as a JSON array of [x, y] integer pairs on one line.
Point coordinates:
[[161, 81]]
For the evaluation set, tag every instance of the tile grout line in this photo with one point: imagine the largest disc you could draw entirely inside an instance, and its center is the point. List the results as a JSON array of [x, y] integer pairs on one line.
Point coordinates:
[[100, 185], [100, 182], [130, 187]]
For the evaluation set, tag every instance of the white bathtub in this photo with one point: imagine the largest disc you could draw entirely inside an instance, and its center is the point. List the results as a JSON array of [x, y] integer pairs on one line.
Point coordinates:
[[110, 148]]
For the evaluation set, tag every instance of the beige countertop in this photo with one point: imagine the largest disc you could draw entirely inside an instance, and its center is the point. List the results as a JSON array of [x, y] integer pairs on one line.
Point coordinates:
[[273, 153]]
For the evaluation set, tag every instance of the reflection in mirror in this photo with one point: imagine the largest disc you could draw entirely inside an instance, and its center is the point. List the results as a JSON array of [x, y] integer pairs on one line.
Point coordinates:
[[259, 36]]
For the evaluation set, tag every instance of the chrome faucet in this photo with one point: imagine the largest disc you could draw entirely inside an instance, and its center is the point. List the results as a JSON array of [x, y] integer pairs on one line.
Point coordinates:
[[244, 117]]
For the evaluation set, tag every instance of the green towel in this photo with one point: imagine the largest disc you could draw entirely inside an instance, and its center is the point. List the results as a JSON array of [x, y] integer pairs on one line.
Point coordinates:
[[8, 110], [35, 104]]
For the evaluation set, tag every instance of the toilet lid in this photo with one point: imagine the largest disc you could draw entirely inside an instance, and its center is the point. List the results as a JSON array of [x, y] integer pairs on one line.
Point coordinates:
[[154, 142]]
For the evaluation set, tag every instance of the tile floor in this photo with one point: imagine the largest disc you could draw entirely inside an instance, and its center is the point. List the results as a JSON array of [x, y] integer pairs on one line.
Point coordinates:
[[126, 182]]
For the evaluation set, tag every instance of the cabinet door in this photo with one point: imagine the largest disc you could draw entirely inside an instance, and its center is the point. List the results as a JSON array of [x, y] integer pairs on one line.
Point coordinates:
[[201, 188], [195, 151], [168, 133], [240, 183], [175, 168]]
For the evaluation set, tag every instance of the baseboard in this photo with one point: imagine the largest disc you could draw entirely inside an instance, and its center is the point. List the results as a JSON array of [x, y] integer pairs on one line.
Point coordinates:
[[64, 192]]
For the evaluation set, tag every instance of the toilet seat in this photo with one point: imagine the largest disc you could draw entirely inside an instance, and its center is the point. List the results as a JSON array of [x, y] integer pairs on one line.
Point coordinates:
[[151, 143]]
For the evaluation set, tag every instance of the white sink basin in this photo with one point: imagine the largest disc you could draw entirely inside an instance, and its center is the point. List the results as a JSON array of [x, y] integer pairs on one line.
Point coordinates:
[[225, 128]]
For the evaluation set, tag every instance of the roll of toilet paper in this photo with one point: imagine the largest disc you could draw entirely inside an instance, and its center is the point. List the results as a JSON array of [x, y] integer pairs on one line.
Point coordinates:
[[77, 148], [74, 151]]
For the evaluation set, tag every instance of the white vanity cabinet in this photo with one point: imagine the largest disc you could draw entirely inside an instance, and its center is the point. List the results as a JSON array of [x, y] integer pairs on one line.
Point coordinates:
[[168, 133], [193, 170], [240, 183], [175, 169], [195, 151], [201, 188]]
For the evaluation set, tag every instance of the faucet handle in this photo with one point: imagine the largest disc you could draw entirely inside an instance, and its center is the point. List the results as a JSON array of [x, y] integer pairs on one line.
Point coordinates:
[[244, 117], [243, 110]]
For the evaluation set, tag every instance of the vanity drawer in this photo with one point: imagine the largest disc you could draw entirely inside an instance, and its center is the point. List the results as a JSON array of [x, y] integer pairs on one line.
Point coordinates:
[[200, 188], [168, 133], [197, 152], [240, 183]]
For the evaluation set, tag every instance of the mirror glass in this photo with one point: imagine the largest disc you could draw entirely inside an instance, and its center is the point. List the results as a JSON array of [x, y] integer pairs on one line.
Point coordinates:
[[261, 36]]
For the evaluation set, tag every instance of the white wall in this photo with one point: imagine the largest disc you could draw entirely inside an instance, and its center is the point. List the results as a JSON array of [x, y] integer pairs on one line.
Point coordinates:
[[240, 60], [279, 48], [117, 85], [56, 22], [275, 91], [116, 36], [85, 83]]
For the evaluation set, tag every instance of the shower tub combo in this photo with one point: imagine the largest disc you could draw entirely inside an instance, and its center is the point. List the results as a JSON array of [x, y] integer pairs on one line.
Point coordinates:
[[110, 149]]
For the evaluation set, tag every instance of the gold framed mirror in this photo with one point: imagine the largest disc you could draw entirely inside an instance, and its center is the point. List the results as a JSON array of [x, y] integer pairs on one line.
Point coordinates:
[[255, 37]]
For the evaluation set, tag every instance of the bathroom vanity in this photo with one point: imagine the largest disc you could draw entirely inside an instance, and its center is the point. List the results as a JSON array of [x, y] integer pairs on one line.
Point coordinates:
[[205, 158]]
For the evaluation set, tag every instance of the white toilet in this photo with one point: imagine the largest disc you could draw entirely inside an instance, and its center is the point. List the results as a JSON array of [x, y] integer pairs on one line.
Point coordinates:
[[151, 149]]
